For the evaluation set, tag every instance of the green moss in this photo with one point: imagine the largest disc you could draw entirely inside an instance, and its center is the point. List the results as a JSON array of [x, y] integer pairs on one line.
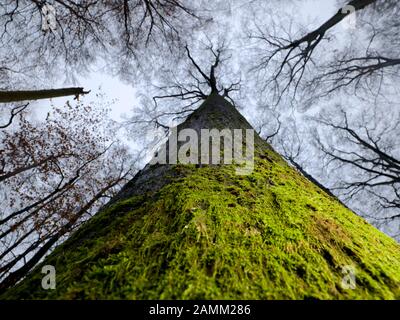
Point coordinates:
[[215, 235]]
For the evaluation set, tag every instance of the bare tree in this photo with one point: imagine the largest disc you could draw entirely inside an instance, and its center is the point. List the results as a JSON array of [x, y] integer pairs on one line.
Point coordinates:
[[291, 63], [366, 152], [187, 86], [40, 37], [54, 176]]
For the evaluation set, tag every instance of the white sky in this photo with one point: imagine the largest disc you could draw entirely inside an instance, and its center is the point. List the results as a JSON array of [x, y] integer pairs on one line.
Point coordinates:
[[98, 83]]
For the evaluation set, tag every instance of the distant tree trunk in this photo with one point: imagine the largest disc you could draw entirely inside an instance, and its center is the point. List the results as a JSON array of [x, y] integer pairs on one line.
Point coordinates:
[[12, 96]]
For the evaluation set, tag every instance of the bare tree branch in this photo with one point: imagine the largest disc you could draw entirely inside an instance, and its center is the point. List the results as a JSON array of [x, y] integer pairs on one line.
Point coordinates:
[[13, 113]]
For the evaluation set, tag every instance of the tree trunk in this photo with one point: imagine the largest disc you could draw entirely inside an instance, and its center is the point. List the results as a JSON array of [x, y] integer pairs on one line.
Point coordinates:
[[205, 232], [12, 96]]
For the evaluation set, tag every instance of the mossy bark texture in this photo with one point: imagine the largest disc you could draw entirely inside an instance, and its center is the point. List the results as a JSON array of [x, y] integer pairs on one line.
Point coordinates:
[[203, 232]]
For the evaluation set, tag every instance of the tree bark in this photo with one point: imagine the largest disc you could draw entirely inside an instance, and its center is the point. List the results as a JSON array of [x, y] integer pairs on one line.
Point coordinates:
[[174, 230], [12, 96]]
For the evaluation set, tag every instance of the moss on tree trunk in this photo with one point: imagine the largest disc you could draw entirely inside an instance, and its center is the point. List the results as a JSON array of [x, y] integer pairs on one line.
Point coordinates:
[[190, 232]]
